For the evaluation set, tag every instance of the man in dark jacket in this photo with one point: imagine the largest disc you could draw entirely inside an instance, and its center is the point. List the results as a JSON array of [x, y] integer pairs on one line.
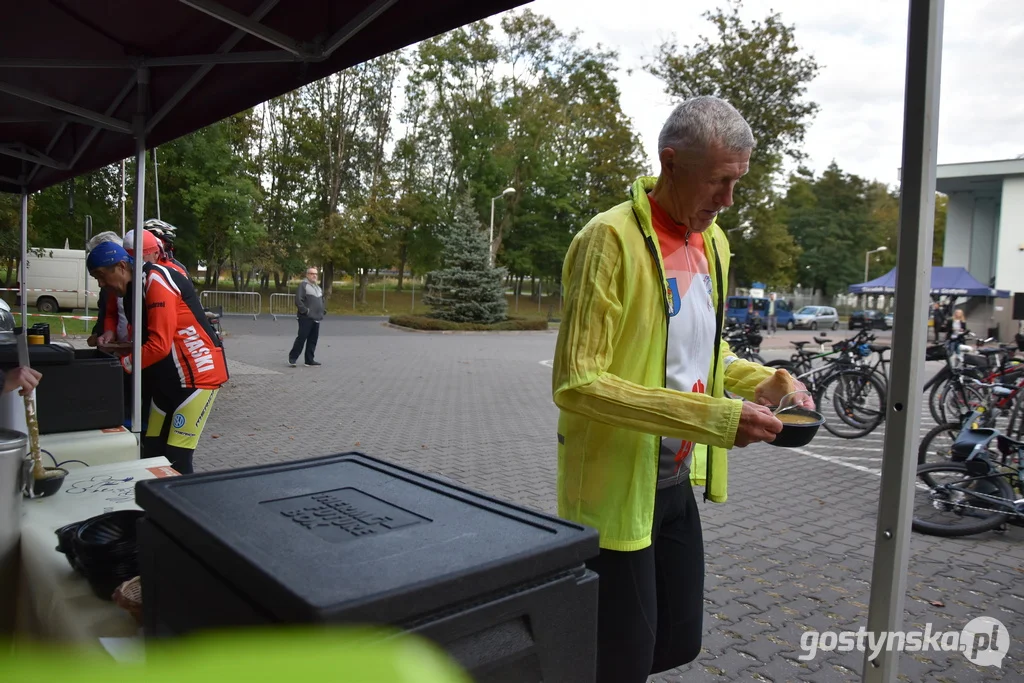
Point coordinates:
[[309, 300]]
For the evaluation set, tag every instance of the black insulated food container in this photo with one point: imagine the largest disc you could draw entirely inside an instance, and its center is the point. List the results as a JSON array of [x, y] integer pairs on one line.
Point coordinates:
[[349, 539]]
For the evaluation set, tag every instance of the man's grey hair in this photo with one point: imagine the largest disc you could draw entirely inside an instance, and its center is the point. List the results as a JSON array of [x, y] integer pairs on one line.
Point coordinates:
[[97, 240], [699, 122]]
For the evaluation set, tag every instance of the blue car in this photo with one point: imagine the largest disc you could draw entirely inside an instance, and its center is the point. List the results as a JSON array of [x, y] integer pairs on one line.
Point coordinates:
[[739, 307]]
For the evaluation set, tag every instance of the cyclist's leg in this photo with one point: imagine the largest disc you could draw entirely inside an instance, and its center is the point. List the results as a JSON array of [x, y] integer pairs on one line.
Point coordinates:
[[679, 566], [187, 420], [154, 441], [627, 614]]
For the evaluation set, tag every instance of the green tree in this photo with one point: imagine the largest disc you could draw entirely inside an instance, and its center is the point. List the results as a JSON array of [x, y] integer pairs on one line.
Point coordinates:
[[835, 219], [467, 289], [759, 69], [208, 192]]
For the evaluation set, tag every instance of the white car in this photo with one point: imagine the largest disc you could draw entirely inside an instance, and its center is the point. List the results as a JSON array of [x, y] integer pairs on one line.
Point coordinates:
[[816, 317]]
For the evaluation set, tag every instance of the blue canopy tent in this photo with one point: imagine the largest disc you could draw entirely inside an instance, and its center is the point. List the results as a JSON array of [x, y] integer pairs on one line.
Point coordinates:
[[946, 281]]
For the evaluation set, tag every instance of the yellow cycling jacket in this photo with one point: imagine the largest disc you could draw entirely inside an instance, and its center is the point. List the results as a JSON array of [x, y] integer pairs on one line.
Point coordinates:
[[609, 377]]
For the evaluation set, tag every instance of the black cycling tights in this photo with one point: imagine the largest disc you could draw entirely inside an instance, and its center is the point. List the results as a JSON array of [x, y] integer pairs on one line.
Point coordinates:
[[651, 601]]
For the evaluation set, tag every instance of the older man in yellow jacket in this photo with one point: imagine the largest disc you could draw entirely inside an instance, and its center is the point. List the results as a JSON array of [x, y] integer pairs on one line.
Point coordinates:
[[640, 373]]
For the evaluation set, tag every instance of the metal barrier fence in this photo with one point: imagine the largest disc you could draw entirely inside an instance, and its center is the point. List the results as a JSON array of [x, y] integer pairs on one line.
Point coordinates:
[[233, 303], [282, 304]]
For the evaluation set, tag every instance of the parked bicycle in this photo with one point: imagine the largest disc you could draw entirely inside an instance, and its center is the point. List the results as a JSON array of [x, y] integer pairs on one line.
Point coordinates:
[[843, 384], [744, 339], [980, 488], [937, 444]]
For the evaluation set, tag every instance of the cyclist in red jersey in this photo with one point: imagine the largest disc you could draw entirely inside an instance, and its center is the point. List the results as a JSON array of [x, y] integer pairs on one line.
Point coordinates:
[[182, 361]]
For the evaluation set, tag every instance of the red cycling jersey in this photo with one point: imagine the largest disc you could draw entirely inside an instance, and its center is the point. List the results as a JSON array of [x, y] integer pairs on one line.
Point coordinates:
[[178, 342]]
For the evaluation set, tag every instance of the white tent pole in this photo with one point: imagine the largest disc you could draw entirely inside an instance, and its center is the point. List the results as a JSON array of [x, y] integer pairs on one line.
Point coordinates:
[[917, 215], [24, 255], [140, 201], [123, 196], [156, 183]]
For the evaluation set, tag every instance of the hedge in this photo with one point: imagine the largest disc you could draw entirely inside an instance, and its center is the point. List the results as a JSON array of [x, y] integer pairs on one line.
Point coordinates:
[[422, 322]]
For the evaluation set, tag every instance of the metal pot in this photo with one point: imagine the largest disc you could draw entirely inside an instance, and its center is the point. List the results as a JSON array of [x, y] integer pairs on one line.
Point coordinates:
[[13, 448]]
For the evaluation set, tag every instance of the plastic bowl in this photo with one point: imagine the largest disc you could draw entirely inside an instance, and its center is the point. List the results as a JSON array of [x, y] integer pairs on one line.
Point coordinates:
[[49, 485], [794, 435]]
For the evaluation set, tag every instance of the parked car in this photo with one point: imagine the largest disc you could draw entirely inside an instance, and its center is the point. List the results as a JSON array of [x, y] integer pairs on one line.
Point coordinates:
[[888, 320], [815, 317], [740, 308], [868, 320]]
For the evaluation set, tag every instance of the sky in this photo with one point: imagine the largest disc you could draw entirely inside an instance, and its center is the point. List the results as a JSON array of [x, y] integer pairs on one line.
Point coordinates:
[[861, 49]]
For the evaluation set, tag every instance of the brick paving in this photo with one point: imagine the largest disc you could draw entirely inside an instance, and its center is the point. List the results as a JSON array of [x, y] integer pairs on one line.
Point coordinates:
[[790, 551]]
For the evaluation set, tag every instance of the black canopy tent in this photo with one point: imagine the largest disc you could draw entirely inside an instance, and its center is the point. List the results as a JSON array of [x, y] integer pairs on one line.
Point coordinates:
[[84, 83], [70, 70]]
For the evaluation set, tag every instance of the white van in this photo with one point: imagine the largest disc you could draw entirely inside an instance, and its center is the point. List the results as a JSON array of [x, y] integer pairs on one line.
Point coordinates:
[[59, 269]]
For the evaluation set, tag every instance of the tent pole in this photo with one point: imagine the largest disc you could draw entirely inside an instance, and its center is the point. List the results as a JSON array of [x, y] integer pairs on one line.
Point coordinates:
[[917, 214], [140, 217], [156, 183], [24, 254]]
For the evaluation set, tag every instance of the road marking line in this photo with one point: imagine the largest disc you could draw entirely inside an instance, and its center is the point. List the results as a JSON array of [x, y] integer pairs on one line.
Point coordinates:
[[549, 363], [837, 461]]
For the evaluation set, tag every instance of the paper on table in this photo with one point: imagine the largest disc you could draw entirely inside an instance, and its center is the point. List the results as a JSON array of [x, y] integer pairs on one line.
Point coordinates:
[[92, 491]]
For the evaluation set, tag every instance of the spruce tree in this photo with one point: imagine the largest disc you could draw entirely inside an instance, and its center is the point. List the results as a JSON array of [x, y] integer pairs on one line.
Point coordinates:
[[467, 289]]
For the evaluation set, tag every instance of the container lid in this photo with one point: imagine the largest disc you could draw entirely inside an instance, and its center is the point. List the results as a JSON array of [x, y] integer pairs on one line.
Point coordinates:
[[351, 538], [12, 440], [39, 355]]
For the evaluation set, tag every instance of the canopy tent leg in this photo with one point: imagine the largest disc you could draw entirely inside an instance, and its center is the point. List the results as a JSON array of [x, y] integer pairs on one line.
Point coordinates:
[[24, 255], [917, 214], [140, 218]]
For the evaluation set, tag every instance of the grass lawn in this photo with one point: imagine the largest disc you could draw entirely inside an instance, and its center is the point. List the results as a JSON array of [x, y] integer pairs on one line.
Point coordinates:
[[80, 328]]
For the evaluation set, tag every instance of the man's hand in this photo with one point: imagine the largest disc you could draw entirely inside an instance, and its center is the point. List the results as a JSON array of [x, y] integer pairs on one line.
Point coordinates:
[[24, 378], [105, 338], [92, 340], [757, 424]]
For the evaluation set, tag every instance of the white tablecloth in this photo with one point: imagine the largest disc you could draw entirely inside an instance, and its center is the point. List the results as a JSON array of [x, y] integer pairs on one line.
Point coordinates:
[[94, 447], [55, 603]]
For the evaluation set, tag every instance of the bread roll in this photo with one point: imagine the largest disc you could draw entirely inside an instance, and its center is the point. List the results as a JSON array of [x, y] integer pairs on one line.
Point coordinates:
[[778, 385]]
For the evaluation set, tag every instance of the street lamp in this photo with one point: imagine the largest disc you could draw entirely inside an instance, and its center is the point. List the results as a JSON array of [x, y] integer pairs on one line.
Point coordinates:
[[490, 242], [867, 257]]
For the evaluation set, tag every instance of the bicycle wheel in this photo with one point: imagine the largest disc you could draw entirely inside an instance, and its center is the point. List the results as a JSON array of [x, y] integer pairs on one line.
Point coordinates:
[[755, 358], [934, 402], [784, 364], [856, 398], [937, 443], [955, 402], [948, 501]]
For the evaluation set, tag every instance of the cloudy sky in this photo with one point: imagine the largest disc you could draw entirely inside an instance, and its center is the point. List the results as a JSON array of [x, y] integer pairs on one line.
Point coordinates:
[[861, 48]]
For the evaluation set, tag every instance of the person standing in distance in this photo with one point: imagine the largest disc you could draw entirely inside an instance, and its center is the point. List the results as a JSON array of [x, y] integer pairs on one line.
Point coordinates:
[[309, 300], [639, 376]]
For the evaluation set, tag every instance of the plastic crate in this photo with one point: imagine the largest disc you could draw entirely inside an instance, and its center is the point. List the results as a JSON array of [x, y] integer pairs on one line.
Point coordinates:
[[81, 389], [351, 539]]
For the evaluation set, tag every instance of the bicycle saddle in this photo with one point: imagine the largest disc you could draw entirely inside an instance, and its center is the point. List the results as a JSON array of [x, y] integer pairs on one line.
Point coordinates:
[[800, 344], [879, 348], [967, 442], [822, 340], [990, 351]]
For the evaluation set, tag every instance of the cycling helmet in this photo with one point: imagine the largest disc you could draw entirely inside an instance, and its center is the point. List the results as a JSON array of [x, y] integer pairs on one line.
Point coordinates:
[[150, 243], [161, 229]]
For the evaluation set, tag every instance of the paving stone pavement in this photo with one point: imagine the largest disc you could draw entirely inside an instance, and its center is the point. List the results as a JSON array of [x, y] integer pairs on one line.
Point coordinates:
[[790, 551]]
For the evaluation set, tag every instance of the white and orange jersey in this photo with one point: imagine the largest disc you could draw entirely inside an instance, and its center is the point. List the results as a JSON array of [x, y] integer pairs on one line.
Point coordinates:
[[178, 343]]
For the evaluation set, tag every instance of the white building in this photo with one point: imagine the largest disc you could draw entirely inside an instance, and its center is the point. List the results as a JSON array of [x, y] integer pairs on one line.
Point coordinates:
[[985, 231]]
